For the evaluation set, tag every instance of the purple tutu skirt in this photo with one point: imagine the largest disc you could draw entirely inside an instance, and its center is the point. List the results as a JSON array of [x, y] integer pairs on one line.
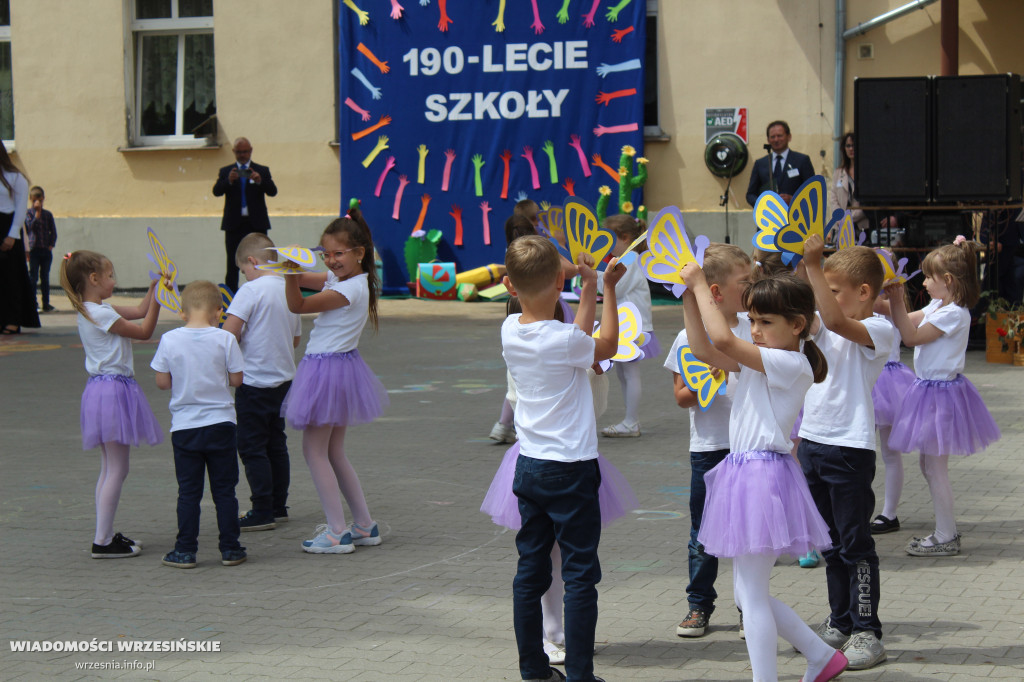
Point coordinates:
[[115, 410], [758, 502], [942, 418], [333, 389], [889, 390], [615, 494]]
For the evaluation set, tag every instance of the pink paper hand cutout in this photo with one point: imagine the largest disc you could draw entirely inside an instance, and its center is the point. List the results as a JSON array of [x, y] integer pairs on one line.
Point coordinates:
[[537, 25], [624, 128], [396, 10], [605, 167], [388, 165], [425, 201], [588, 18], [384, 120], [485, 209], [619, 34], [350, 103], [449, 157], [605, 97], [569, 186], [534, 176], [578, 146], [403, 180], [443, 23], [456, 213], [506, 157]]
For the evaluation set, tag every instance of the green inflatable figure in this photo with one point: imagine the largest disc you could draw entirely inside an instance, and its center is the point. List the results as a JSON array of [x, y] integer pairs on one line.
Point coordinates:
[[628, 181]]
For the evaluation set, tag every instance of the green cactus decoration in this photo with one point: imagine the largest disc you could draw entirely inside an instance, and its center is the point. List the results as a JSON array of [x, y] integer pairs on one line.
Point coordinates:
[[628, 181], [421, 248]]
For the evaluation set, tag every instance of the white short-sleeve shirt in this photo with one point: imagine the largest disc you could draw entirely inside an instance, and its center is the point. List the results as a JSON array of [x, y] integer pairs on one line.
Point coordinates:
[[554, 414], [840, 410], [199, 360], [338, 330], [105, 352], [709, 429], [269, 332], [943, 358], [766, 404]]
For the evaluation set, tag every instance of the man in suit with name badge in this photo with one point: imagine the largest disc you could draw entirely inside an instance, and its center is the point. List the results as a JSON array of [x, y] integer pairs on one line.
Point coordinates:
[[244, 186], [783, 170]]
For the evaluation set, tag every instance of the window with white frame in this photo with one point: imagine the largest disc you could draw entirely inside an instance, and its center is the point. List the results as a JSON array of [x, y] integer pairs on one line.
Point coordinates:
[[173, 94], [6, 82]]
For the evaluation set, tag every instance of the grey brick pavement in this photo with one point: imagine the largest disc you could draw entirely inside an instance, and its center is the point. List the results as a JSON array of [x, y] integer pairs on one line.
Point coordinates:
[[434, 601]]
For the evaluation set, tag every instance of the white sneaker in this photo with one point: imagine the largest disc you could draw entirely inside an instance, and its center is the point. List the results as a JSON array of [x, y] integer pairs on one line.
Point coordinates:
[[503, 433], [864, 651], [555, 652], [621, 430]]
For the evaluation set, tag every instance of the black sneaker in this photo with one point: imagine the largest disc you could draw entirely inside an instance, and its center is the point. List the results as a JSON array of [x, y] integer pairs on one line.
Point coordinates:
[[554, 676], [127, 540], [252, 521], [233, 557], [695, 624], [117, 549], [48, 308], [281, 515], [883, 524]]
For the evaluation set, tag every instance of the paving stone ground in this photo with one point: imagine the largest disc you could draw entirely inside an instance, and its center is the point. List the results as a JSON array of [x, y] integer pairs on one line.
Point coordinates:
[[433, 602]]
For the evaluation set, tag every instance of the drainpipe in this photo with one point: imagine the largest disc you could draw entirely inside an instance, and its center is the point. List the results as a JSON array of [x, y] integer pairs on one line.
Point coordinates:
[[843, 34], [950, 37]]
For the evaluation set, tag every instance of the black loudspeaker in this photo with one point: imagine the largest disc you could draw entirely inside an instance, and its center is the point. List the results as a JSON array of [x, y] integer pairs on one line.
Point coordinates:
[[977, 138], [892, 119]]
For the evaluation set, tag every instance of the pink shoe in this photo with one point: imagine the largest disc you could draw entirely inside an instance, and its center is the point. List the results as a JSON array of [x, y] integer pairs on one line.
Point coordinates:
[[836, 665]]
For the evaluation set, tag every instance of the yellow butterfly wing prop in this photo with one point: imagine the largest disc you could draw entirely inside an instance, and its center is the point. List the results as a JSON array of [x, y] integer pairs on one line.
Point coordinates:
[[894, 274], [771, 214], [669, 248], [292, 260], [806, 217], [584, 234], [846, 237], [225, 303], [699, 378], [630, 335], [167, 288], [168, 298], [555, 222]]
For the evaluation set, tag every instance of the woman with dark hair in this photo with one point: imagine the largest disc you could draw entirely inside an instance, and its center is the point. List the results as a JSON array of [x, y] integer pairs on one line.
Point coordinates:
[[841, 189], [17, 304]]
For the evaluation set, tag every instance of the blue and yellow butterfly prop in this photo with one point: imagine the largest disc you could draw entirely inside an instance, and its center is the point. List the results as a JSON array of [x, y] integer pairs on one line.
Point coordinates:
[[786, 227], [699, 378], [894, 275], [225, 302], [582, 232], [167, 293], [631, 336], [669, 248], [846, 235]]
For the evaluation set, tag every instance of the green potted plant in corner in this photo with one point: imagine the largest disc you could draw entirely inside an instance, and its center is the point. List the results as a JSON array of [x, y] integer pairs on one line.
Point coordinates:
[[999, 342]]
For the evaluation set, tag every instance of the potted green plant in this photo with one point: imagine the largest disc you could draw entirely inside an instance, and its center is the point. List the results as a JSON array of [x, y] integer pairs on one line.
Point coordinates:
[[1002, 335]]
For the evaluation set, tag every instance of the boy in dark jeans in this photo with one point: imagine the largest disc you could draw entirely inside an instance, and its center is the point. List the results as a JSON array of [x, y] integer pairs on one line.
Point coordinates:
[[41, 237], [557, 475], [197, 363]]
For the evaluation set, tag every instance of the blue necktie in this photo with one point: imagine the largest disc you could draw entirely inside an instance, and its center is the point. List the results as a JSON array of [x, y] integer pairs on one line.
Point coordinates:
[[244, 203], [777, 173]]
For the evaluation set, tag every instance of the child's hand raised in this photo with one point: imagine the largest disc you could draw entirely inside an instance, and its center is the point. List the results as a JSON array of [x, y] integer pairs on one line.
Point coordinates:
[[586, 267], [614, 272], [894, 292], [814, 248], [692, 274]]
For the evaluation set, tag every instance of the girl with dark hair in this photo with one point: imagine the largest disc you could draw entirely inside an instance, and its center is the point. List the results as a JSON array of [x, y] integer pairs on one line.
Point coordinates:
[[17, 304]]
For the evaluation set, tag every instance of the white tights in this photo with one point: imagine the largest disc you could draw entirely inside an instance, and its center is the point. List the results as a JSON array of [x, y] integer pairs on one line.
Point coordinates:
[[936, 472], [113, 471], [893, 473], [551, 601], [765, 619], [333, 476], [629, 377]]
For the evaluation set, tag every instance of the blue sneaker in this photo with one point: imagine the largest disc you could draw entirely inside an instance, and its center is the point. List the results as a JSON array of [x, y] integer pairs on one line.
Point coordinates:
[[365, 536], [176, 559], [327, 542], [233, 557], [810, 560]]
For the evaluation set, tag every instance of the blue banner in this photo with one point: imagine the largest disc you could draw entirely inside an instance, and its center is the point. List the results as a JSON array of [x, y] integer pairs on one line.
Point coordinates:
[[466, 106]]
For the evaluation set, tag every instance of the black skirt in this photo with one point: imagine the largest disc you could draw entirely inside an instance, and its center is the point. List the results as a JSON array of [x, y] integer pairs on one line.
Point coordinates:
[[17, 304]]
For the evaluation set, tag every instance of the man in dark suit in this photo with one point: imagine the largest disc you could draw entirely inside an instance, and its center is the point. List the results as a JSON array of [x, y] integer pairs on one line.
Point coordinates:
[[244, 186], [782, 171]]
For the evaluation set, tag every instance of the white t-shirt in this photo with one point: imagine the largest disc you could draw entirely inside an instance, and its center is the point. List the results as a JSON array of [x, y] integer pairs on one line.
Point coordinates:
[[943, 358], [269, 332], [709, 429], [199, 360], [15, 201], [840, 410], [894, 354], [338, 330], [554, 415], [105, 352], [766, 404], [633, 288]]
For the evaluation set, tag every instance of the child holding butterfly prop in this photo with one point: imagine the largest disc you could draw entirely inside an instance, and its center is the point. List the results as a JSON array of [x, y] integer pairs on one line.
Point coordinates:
[[758, 505], [727, 271]]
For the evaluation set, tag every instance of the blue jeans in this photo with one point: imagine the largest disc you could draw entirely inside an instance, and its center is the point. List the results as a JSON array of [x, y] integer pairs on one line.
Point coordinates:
[[557, 502], [206, 449], [263, 447], [700, 593], [39, 261], [840, 482]]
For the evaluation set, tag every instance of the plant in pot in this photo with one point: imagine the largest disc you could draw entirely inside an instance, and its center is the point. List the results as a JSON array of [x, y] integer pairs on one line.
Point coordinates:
[[1002, 334]]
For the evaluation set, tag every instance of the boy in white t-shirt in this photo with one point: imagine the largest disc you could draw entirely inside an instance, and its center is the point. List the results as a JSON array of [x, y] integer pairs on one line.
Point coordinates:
[[198, 363], [837, 450], [557, 477], [267, 333], [727, 270]]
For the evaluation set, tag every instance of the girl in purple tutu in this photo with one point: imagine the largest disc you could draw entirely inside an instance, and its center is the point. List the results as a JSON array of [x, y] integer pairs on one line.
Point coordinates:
[[615, 497], [632, 289], [758, 505], [114, 414], [942, 413], [333, 388]]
